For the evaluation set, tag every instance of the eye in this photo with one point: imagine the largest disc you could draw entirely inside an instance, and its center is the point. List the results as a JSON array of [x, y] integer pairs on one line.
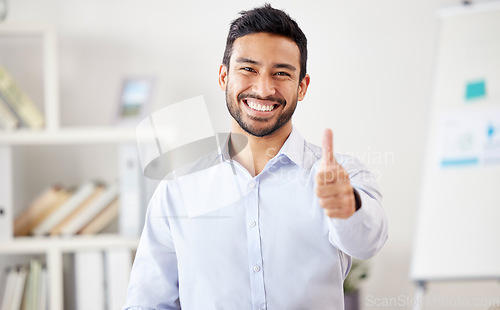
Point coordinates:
[[248, 69], [281, 73]]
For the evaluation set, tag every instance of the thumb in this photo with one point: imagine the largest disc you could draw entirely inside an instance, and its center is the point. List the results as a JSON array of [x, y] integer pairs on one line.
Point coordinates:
[[328, 158]]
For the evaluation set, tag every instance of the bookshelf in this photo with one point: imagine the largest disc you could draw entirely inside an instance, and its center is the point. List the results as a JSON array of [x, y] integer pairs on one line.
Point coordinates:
[[49, 61], [53, 248], [69, 136]]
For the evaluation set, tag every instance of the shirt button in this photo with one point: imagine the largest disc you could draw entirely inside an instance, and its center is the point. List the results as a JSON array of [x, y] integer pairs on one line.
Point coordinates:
[[251, 185], [256, 268], [252, 223]]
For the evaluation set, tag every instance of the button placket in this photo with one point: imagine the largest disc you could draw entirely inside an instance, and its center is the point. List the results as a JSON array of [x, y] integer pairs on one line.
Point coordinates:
[[254, 245]]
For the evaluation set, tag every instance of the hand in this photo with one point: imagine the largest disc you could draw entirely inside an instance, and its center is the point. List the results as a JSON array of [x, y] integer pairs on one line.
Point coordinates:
[[334, 189]]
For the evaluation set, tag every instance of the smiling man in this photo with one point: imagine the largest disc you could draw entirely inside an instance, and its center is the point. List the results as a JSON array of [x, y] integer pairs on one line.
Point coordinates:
[[266, 82], [300, 213], [263, 79]]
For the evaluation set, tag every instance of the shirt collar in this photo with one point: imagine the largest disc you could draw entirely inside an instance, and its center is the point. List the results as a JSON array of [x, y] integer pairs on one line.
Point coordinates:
[[293, 148], [224, 143]]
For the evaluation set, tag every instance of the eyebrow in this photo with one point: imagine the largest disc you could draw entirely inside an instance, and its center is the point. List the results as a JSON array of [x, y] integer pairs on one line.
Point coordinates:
[[253, 62]]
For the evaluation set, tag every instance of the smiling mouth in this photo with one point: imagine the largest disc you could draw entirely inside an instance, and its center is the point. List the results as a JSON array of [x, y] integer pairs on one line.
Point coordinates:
[[260, 107]]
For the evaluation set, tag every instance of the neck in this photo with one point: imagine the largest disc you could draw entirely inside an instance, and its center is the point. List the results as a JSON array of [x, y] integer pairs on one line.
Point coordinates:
[[259, 150]]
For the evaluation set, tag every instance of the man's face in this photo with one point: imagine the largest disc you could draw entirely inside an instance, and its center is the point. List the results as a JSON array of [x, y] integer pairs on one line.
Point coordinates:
[[262, 85]]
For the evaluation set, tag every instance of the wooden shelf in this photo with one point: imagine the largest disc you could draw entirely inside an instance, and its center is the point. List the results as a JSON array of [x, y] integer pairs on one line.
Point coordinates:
[[70, 135], [42, 245]]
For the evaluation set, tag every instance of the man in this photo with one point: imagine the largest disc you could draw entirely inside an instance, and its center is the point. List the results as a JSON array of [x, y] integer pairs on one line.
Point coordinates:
[[279, 232]]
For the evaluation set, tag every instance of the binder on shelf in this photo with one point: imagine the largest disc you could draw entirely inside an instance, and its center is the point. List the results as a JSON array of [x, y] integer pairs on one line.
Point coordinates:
[[77, 212], [102, 220], [89, 277], [19, 102], [118, 263], [90, 211], [131, 215], [65, 209]]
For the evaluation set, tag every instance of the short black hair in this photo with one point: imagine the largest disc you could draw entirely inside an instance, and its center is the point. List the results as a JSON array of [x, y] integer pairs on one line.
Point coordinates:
[[270, 20]]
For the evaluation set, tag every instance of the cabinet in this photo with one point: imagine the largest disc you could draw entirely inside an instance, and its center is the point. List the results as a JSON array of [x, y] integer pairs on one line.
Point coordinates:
[[51, 249]]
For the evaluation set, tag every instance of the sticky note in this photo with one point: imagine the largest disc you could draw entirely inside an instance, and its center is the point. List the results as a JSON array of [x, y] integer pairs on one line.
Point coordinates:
[[475, 90], [491, 131], [459, 162]]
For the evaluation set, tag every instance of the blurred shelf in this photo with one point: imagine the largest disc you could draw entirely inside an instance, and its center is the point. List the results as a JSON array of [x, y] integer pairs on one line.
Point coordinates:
[[53, 247], [42, 245], [16, 29], [69, 135]]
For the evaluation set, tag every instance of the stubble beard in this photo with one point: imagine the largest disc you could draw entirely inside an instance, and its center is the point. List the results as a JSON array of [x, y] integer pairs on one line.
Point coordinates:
[[236, 112]]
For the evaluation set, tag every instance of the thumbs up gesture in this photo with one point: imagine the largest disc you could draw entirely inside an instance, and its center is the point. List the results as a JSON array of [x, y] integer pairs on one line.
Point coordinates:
[[334, 189]]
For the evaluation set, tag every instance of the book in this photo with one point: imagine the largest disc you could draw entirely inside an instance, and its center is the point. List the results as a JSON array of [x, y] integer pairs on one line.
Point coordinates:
[[17, 294], [42, 296], [19, 101], [8, 120], [39, 209], [30, 298], [77, 212], [76, 223], [65, 196], [89, 280], [10, 283], [58, 215], [117, 263], [102, 220]]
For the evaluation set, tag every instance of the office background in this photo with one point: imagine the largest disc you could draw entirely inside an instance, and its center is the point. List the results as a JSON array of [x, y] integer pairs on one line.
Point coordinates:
[[371, 67]]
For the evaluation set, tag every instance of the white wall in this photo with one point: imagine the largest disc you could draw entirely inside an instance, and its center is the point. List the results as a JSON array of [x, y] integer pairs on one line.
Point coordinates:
[[371, 74]]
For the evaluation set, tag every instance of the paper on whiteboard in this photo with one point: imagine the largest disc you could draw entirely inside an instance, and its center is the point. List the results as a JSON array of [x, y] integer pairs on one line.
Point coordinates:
[[469, 138]]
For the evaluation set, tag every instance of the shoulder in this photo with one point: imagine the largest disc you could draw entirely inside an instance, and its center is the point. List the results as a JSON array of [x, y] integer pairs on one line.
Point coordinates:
[[312, 155], [203, 162], [170, 180]]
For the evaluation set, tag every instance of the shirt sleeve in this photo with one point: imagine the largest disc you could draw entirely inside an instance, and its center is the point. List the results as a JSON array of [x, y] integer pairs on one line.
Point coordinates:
[[154, 278], [364, 233]]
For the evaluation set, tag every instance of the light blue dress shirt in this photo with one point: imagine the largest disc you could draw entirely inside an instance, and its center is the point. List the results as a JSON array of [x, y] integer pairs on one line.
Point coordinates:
[[221, 239]]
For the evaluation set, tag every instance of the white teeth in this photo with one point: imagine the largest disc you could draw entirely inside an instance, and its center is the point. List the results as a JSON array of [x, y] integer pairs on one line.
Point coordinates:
[[258, 107]]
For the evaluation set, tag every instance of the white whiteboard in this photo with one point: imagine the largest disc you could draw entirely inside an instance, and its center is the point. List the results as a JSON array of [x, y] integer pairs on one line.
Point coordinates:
[[458, 223]]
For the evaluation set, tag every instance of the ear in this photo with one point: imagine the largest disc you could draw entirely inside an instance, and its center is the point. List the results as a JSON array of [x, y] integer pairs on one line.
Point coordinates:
[[303, 87], [223, 77]]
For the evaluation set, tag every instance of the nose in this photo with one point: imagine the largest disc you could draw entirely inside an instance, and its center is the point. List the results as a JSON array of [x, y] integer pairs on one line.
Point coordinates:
[[264, 85]]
